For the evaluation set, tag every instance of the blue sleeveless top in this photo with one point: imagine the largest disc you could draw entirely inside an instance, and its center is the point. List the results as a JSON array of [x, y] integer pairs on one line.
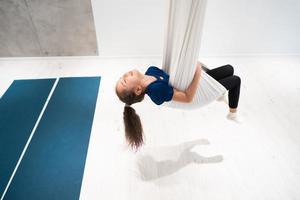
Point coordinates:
[[159, 91]]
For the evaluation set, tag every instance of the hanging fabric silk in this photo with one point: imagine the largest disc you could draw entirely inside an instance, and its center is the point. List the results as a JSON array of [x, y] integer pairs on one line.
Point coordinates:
[[183, 32]]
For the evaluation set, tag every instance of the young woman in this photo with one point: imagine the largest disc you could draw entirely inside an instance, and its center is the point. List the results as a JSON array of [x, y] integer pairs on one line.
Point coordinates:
[[133, 85]]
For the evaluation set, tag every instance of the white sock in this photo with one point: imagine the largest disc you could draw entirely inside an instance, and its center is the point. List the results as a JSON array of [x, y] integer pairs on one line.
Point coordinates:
[[234, 117]]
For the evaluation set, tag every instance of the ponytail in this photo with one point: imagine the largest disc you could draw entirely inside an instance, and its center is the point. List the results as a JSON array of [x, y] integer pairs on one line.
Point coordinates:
[[132, 121], [133, 127]]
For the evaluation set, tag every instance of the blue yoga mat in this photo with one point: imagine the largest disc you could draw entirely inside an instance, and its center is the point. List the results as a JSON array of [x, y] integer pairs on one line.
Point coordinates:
[[53, 165], [20, 107]]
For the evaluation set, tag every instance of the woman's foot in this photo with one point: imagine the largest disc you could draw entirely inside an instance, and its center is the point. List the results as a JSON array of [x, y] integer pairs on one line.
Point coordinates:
[[234, 117]]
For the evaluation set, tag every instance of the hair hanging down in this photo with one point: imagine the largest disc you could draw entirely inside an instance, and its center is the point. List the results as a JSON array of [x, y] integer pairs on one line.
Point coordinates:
[[133, 127], [132, 121]]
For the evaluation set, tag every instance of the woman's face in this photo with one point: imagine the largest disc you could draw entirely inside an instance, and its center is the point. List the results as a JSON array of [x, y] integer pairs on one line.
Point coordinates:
[[129, 81]]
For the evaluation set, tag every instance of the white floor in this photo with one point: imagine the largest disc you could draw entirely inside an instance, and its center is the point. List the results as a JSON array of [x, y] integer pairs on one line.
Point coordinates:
[[258, 159]]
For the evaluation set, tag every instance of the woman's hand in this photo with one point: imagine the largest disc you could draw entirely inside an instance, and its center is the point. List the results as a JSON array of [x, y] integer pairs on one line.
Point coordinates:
[[191, 90], [198, 69], [188, 95]]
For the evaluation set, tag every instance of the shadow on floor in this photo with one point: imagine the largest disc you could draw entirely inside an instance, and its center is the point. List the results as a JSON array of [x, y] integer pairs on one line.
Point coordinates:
[[157, 162]]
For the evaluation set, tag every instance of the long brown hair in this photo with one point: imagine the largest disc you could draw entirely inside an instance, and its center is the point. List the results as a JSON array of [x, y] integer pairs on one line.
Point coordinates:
[[132, 121]]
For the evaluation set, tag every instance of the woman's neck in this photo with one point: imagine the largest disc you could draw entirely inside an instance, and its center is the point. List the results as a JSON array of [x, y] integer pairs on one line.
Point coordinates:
[[146, 80]]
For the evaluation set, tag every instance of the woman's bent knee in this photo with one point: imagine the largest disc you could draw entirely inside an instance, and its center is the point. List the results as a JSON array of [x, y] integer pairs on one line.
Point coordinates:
[[230, 68], [237, 79]]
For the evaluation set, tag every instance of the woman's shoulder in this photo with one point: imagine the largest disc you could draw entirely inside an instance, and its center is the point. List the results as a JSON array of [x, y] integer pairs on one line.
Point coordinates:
[[160, 92], [158, 87], [153, 68]]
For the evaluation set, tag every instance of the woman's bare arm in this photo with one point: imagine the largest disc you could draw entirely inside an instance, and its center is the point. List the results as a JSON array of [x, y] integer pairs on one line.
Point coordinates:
[[180, 96], [187, 96]]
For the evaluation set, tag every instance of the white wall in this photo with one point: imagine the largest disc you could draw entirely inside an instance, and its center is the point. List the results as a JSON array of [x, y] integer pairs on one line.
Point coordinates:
[[233, 27], [252, 27], [131, 27]]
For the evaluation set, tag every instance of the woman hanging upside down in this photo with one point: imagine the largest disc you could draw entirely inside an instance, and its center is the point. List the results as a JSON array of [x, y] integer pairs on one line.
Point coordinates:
[[133, 85]]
